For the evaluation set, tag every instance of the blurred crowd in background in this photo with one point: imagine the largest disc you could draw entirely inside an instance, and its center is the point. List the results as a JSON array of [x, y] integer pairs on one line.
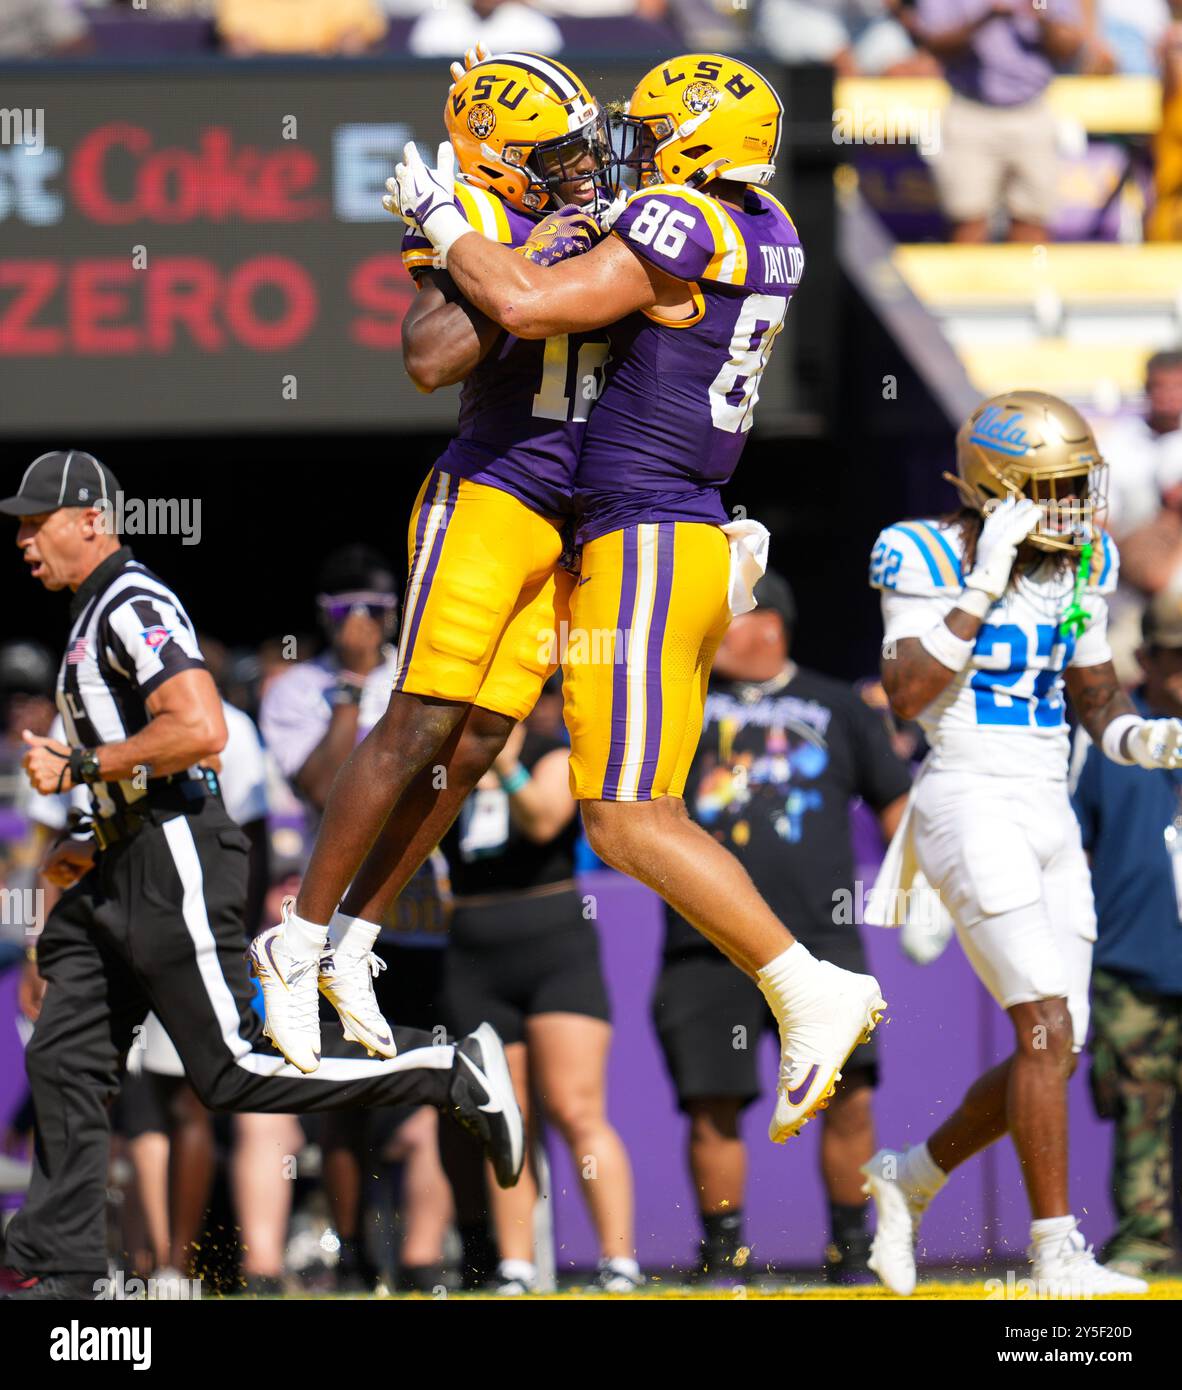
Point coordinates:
[[858, 37], [1001, 154]]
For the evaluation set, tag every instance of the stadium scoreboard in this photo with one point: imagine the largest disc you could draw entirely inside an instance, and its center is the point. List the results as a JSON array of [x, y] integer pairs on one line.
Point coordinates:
[[203, 248]]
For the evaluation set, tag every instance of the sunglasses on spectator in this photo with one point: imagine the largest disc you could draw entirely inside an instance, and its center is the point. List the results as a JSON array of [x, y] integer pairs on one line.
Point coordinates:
[[337, 607]]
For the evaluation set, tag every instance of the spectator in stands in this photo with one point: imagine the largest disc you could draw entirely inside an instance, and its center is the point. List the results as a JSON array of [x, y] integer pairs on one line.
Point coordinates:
[[998, 138], [1132, 830], [1124, 36], [248, 27], [1150, 453], [501, 25], [858, 37], [604, 9], [1144, 456], [783, 753], [312, 717], [1165, 221], [523, 954], [41, 29], [1144, 450]]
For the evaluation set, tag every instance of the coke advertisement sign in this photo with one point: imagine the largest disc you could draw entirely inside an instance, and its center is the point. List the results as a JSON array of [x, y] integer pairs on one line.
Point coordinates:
[[206, 248]]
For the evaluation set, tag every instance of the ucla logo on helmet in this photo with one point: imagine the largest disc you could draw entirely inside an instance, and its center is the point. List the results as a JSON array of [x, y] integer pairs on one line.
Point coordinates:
[[700, 97], [482, 120]]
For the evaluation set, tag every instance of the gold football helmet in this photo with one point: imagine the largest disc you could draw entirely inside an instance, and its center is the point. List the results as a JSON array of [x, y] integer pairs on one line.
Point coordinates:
[[1029, 444], [521, 125], [701, 117]]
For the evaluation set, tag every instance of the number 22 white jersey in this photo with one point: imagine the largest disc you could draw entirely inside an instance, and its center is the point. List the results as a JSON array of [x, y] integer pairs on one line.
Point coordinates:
[[1005, 713]]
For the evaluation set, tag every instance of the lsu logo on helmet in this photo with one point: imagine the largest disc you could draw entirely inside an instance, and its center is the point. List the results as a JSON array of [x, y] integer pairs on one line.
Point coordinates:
[[701, 117], [523, 125], [482, 120], [701, 96]]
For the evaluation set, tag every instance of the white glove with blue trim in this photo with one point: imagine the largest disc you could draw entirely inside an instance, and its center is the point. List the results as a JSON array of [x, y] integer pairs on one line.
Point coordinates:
[[425, 197], [1006, 527]]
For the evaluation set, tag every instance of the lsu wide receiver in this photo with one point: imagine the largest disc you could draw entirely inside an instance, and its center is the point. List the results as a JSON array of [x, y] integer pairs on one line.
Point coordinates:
[[485, 540], [694, 282], [990, 616]]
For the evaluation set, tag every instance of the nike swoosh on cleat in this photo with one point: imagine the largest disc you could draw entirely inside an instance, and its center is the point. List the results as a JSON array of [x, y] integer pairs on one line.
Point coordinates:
[[491, 1108], [798, 1094], [300, 971], [274, 964]]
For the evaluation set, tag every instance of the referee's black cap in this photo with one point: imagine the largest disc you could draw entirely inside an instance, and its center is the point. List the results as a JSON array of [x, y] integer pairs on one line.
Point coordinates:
[[773, 591], [62, 478]]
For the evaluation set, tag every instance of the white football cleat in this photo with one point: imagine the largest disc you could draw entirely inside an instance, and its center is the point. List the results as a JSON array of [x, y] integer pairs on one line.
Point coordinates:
[[899, 1210], [290, 998], [1067, 1268], [346, 981], [815, 1042]]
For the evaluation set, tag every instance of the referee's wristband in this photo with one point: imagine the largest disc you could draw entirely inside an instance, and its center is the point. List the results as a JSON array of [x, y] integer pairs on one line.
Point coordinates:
[[514, 781], [949, 650]]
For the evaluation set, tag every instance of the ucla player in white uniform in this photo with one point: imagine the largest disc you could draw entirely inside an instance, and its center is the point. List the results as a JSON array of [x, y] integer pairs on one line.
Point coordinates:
[[990, 616]]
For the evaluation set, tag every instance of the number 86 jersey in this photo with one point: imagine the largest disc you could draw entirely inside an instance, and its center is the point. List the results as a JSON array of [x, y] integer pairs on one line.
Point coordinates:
[[1005, 713], [680, 395]]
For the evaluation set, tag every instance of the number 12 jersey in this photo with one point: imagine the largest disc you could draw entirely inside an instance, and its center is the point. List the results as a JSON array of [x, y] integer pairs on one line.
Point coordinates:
[[524, 408]]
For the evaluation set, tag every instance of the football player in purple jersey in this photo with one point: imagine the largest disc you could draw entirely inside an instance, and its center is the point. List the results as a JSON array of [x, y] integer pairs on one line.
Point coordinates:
[[694, 284], [485, 540]]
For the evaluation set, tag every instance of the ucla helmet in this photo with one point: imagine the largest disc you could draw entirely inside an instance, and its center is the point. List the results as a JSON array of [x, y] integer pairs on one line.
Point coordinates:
[[1030, 444], [521, 125], [701, 117]]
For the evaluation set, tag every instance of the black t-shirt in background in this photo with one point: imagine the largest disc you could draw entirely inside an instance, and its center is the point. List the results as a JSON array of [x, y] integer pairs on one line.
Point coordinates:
[[772, 780], [487, 853]]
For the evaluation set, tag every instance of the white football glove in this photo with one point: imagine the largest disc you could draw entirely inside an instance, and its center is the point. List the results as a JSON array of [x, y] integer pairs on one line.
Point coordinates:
[[1004, 530], [425, 197], [1155, 743], [606, 216], [471, 58]]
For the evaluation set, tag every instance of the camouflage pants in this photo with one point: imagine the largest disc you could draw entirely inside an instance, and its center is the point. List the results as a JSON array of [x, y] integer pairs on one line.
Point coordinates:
[[1136, 1077]]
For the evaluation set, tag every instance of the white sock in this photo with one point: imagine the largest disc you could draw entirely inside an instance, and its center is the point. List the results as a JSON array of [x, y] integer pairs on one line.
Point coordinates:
[[1051, 1229], [303, 938], [790, 980], [521, 1270], [621, 1264], [354, 936], [920, 1172]]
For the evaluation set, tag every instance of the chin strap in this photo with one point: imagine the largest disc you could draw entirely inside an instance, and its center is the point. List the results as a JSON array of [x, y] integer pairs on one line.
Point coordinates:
[[1077, 617]]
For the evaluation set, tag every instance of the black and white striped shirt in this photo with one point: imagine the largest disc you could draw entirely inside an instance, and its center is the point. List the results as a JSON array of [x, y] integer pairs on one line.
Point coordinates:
[[129, 635]]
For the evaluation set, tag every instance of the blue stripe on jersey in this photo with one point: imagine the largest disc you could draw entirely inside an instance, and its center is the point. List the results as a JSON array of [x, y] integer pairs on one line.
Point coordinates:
[[1106, 542], [953, 559]]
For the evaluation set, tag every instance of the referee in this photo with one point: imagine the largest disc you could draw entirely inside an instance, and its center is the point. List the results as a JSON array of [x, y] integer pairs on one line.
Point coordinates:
[[152, 918]]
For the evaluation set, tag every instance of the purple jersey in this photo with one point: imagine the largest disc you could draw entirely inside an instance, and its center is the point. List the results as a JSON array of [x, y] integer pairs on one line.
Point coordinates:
[[524, 408], [679, 398]]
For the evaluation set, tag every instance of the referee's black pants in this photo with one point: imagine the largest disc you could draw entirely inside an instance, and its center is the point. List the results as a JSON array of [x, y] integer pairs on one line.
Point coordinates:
[[157, 925]]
